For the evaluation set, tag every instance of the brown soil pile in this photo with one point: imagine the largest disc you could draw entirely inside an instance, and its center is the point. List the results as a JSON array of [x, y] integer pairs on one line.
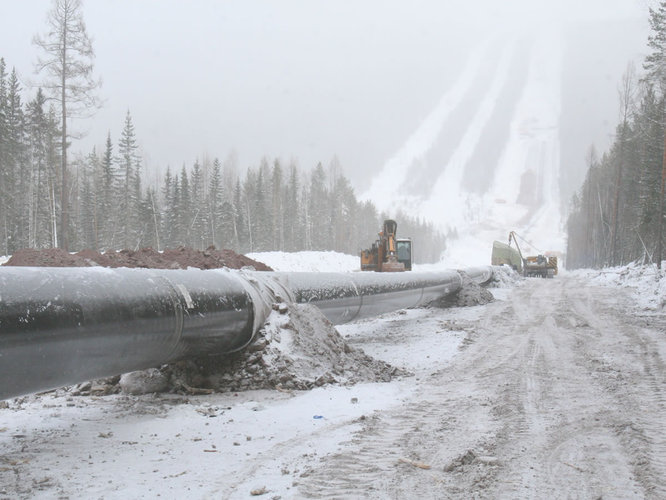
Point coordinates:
[[179, 258]]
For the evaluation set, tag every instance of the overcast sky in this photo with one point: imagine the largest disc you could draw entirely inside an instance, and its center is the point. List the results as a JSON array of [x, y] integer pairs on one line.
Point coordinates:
[[295, 79]]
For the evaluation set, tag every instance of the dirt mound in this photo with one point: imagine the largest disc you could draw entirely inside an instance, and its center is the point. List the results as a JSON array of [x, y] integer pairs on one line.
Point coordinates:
[[179, 258], [470, 294], [297, 349]]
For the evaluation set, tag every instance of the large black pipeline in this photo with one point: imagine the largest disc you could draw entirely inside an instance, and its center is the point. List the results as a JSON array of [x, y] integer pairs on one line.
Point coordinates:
[[61, 326]]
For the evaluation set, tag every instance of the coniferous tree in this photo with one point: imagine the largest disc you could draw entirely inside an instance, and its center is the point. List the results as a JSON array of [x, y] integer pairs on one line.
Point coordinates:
[[5, 174], [200, 214], [293, 220], [184, 210], [88, 203], [16, 206], [108, 197], [169, 219], [277, 207], [37, 128], [318, 213], [241, 227], [130, 195], [214, 204]]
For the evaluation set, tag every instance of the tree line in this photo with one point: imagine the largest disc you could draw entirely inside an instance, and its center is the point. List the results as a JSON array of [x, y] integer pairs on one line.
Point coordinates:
[[617, 217], [271, 207]]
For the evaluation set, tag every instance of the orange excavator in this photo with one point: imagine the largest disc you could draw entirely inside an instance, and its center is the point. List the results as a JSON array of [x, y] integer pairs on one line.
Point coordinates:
[[388, 254]]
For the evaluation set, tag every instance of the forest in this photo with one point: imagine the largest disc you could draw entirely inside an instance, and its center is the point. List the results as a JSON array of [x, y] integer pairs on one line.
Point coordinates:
[[617, 217], [271, 207], [50, 197]]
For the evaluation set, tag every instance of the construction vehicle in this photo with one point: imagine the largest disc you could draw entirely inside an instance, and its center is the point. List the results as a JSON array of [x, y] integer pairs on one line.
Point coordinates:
[[388, 253], [531, 266]]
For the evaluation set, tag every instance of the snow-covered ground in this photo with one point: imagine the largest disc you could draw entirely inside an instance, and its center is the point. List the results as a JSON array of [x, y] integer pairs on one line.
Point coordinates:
[[308, 261], [222, 445], [537, 395], [647, 284]]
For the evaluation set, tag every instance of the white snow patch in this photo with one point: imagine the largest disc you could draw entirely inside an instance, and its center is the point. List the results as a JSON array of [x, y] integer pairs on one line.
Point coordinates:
[[378, 337], [308, 261], [647, 283]]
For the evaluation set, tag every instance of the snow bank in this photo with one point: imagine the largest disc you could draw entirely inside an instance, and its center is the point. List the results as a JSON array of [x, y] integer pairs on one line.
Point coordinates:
[[648, 283], [308, 261], [4, 258]]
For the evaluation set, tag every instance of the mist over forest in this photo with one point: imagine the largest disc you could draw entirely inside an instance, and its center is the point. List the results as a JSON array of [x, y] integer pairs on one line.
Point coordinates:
[[317, 128]]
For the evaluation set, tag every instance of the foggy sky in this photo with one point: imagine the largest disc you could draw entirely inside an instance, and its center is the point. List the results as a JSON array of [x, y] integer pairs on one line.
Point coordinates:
[[301, 80]]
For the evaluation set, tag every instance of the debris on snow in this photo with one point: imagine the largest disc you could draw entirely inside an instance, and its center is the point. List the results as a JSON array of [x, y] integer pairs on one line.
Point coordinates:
[[144, 382], [470, 294], [466, 458], [414, 463], [259, 491]]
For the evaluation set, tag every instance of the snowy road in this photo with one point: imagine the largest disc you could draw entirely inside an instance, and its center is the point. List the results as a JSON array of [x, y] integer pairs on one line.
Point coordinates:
[[558, 392], [554, 390]]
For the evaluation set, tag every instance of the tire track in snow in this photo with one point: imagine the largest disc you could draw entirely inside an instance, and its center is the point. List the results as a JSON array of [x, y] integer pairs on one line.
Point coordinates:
[[556, 386], [548, 409], [644, 435]]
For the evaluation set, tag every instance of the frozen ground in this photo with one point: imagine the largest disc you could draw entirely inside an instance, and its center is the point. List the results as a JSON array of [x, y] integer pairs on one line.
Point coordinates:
[[554, 390], [308, 261]]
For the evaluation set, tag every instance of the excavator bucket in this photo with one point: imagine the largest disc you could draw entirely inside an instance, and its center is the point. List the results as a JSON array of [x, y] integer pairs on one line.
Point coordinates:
[[392, 265]]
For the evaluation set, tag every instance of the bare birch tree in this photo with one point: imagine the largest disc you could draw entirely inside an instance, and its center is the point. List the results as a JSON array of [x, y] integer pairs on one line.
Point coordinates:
[[67, 61]]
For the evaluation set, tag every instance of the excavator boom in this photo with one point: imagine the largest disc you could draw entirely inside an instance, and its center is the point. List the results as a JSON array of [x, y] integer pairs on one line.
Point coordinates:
[[531, 266]]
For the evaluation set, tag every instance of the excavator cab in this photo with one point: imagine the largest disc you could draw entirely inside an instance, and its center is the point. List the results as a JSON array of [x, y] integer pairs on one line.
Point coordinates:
[[404, 250]]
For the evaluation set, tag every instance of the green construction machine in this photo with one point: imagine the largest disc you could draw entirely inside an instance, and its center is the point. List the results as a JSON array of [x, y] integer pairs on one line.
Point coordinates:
[[531, 266]]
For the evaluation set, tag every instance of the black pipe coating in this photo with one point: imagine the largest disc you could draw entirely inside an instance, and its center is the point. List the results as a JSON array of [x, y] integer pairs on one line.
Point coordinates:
[[62, 326]]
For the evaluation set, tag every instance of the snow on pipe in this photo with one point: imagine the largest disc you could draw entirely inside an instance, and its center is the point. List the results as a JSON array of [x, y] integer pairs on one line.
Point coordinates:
[[62, 326]]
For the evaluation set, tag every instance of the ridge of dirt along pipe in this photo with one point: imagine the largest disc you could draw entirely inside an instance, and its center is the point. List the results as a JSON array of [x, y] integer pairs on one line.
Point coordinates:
[[61, 326]]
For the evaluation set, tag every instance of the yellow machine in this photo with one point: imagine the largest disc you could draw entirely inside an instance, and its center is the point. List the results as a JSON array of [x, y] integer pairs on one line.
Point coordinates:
[[388, 254], [530, 266]]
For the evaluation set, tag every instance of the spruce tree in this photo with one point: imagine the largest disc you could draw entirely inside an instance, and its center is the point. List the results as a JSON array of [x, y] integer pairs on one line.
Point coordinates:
[[200, 238], [108, 198], [214, 205], [16, 204], [184, 210], [318, 204], [37, 130], [130, 196]]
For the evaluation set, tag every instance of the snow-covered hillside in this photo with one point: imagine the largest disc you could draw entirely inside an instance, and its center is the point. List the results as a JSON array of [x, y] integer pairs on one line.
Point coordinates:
[[479, 197], [488, 159]]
